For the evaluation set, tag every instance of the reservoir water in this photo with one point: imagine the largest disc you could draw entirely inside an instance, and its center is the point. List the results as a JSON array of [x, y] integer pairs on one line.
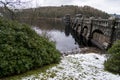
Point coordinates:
[[56, 32], [63, 43]]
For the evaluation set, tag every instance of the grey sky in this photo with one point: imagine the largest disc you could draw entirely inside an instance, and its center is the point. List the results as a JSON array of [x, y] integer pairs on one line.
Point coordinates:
[[109, 6]]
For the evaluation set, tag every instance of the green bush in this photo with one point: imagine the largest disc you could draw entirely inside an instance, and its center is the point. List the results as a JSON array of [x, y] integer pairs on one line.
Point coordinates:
[[22, 49], [113, 62]]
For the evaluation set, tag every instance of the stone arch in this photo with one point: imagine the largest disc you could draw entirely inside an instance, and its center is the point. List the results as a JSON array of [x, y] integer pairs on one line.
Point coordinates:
[[85, 31], [78, 28], [99, 36], [98, 31]]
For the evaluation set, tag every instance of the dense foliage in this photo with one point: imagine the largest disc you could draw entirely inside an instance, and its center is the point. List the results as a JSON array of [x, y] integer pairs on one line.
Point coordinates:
[[22, 49], [113, 62]]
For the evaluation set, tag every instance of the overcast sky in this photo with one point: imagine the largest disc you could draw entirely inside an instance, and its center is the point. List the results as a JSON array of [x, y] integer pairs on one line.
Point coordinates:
[[109, 6]]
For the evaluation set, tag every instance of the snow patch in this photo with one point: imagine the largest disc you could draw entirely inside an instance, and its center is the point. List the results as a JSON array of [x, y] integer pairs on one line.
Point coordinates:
[[78, 67]]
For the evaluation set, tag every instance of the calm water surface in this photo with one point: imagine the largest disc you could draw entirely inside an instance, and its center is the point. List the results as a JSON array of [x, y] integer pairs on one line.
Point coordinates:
[[63, 43], [57, 34]]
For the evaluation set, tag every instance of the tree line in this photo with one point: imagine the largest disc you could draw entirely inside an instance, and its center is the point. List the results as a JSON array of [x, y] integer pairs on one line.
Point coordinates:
[[33, 14], [58, 12]]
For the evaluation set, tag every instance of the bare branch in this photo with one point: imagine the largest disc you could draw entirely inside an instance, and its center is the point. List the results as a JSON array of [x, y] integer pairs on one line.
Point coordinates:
[[14, 2], [10, 5]]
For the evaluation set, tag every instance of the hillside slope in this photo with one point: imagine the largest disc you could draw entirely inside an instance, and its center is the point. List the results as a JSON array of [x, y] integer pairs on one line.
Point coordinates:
[[60, 11]]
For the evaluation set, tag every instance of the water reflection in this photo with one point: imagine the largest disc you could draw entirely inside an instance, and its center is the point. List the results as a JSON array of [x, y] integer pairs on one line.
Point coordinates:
[[50, 24], [67, 30], [63, 43], [79, 39], [65, 38]]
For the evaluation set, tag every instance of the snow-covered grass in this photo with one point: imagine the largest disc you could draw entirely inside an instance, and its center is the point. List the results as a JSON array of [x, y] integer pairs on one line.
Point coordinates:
[[77, 67]]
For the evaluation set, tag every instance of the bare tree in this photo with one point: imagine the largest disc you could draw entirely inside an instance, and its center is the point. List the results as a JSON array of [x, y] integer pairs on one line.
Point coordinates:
[[9, 7]]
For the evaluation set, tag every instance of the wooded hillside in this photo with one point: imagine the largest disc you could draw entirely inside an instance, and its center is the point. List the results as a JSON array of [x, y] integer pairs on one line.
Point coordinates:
[[58, 12]]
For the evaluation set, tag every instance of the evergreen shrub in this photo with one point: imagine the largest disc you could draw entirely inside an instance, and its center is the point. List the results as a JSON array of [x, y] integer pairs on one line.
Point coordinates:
[[112, 64], [22, 49]]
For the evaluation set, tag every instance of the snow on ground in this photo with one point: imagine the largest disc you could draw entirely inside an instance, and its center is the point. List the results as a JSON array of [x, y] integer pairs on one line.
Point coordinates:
[[77, 67]]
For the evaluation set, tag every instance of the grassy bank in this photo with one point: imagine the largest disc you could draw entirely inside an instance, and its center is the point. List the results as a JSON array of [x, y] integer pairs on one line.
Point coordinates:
[[34, 72]]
